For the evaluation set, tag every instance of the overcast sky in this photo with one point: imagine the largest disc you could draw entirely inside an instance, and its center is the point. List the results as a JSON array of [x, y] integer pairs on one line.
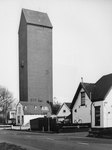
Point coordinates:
[[82, 42]]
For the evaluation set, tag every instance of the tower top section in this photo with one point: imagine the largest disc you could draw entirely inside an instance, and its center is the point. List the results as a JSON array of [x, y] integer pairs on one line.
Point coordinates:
[[36, 18]]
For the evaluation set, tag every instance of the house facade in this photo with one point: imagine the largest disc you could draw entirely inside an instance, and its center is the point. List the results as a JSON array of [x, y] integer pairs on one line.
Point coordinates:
[[12, 114], [81, 104], [19, 114], [81, 109], [64, 111], [92, 103], [12, 117], [102, 103]]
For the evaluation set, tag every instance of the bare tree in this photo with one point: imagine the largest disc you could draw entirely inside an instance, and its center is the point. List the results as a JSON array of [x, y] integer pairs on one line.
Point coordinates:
[[6, 99]]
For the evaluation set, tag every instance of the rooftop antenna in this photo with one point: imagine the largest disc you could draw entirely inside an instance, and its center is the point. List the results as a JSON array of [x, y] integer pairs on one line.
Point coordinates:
[[82, 79]]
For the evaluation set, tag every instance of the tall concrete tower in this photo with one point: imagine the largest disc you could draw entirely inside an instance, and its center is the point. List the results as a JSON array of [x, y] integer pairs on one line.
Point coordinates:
[[35, 59]]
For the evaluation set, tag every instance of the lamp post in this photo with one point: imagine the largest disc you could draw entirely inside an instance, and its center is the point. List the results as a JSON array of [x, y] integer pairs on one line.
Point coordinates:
[[48, 116], [91, 109]]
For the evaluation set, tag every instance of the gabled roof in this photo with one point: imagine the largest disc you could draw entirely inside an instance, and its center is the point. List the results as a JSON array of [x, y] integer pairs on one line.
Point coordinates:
[[68, 105], [37, 18], [31, 108], [98, 90], [88, 87], [102, 87]]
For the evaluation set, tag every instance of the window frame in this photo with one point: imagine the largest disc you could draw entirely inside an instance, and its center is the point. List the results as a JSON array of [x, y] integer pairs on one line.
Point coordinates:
[[19, 110], [18, 118], [97, 116], [64, 111], [83, 100]]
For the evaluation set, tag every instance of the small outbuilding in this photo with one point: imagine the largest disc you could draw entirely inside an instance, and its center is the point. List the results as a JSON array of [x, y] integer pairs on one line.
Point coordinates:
[[64, 111]]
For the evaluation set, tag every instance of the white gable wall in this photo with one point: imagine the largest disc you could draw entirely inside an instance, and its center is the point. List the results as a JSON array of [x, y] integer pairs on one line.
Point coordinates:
[[63, 112], [108, 110], [99, 103], [81, 112], [19, 114], [105, 112]]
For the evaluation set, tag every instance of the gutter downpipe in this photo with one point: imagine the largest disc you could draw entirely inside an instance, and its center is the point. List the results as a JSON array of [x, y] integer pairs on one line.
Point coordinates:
[[91, 110]]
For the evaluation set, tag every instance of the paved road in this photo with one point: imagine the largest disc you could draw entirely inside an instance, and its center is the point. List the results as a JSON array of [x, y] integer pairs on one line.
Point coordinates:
[[62, 141]]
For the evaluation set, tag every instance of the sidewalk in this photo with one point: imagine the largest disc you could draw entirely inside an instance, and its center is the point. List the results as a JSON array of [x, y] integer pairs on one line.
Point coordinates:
[[20, 127]]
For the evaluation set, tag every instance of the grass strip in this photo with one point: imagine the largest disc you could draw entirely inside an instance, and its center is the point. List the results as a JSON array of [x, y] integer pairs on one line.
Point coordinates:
[[8, 146]]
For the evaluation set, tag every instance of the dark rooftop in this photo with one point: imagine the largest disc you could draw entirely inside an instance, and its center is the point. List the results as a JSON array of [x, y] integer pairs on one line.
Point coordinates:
[[37, 18], [95, 91], [68, 104]]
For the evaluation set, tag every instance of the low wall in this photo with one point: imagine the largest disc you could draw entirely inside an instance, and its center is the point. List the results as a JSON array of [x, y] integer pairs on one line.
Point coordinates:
[[5, 127]]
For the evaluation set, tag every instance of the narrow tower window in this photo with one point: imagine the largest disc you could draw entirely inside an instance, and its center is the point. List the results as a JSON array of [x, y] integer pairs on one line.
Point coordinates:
[[22, 63]]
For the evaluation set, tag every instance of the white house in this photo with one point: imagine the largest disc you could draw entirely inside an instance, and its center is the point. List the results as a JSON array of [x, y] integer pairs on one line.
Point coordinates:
[[102, 103], [11, 116], [19, 114], [64, 111], [27, 111], [92, 103], [81, 104]]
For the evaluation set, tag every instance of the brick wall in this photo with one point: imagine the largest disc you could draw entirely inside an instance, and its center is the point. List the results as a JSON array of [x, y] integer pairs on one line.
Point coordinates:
[[39, 56]]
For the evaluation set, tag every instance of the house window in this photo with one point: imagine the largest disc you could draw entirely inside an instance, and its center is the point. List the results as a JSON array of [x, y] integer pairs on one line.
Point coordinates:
[[64, 111], [12, 114], [82, 98], [19, 119], [22, 63], [25, 107], [75, 110], [19, 110], [22, 119], [97, 116], [35, 107], [44, 108]]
